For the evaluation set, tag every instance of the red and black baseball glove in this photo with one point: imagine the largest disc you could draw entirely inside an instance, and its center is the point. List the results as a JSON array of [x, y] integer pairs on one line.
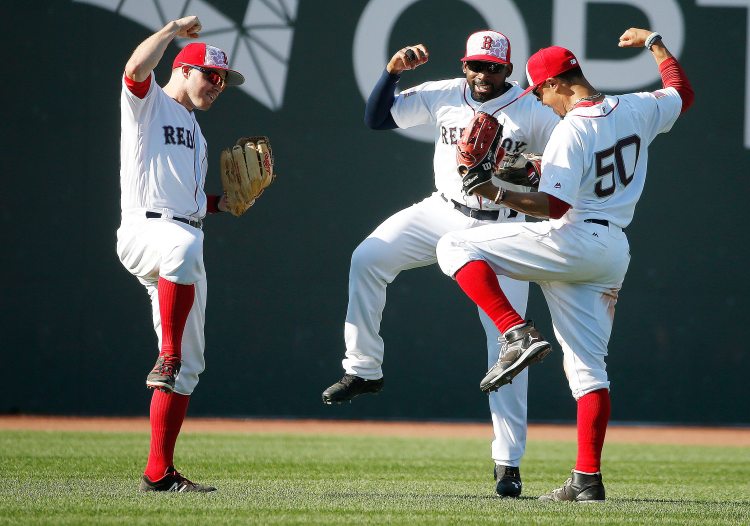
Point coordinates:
[[478, 152], [480, 156]]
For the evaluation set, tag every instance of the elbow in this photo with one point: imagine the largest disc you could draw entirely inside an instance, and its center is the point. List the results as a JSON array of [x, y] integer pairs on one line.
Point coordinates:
[[557, 207], [135, 71], [688, 97], [555, 215], [370, 121], [375, 121]]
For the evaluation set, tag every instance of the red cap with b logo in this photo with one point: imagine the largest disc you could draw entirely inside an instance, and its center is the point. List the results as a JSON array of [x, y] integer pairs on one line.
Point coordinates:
[[205, 56], [488, 46]]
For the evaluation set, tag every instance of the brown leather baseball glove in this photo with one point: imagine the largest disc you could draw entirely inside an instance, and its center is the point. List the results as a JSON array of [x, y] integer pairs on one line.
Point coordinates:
[[246, 170]]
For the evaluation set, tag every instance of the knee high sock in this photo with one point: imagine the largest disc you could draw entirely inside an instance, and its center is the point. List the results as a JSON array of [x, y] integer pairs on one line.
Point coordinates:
[[175, 302], [168, 411], [479, 282], [593, 415]]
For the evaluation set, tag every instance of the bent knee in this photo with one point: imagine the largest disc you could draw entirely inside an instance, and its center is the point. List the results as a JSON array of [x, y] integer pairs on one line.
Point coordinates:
[[451, 254], [184, 263], [370, 253]]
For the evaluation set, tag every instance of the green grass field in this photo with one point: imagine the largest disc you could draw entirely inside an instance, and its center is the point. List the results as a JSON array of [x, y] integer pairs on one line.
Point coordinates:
[[91, 478]]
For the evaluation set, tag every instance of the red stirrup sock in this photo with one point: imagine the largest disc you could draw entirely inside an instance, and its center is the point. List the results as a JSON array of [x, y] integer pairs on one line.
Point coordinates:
[[175, 302], [593, 415], [479, 282], [168, 411]]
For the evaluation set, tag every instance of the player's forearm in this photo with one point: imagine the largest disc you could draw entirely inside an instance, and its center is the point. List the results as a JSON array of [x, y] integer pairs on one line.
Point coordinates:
[[534, 204], [149, 52], [378, 109], [670, 70], [673, 76], [530, 203], [660, 52]]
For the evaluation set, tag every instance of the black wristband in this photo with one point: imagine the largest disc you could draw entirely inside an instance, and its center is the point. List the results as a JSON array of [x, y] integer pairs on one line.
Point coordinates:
[[652, 39]]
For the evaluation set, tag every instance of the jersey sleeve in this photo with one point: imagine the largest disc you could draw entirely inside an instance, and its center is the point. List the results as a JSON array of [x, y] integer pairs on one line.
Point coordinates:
[[412, 106], [137, 104], [563, 164], [658, 109]]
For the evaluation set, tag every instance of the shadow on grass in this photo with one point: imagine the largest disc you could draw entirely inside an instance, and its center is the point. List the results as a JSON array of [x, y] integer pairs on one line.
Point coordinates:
[[420, 496], [525, 498], [674, 501]]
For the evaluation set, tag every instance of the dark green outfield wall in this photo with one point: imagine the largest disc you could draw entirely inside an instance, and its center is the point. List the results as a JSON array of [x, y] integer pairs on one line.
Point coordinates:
[[76, 330]]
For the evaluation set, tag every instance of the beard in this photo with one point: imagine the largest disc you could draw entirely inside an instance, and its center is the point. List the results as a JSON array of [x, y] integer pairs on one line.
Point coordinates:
[[489, 92]]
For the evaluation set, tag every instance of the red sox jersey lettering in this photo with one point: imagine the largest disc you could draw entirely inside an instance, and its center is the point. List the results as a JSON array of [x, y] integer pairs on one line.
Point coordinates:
[[525, 125]]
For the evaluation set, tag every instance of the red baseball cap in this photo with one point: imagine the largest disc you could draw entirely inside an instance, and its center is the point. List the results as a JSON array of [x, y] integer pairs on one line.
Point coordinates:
[[548, 62], [205, 56], [488, 46]]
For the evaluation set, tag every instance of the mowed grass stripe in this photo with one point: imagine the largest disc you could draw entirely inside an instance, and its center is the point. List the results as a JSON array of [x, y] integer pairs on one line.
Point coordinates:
[[91, 478]]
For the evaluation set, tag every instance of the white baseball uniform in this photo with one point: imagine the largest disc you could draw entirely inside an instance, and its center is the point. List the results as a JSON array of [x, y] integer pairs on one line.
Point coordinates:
[[163, 171], [408, 239], [596, 161]]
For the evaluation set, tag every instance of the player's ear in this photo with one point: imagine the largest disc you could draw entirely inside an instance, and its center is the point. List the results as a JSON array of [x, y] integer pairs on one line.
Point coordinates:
[[186, 71], [509, 69], [463, 67]]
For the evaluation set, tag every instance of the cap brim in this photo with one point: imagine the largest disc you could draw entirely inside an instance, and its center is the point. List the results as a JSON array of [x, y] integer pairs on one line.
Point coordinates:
[[234, 78], [527, 91], [485, 58]]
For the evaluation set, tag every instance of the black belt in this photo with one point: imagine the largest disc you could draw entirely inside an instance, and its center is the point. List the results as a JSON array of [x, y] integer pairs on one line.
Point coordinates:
[[196, 224], [475, 213], [602, 222]]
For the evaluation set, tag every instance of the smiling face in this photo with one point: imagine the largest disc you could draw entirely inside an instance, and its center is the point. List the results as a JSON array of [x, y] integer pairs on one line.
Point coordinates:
[[486, 80], [203, 86]]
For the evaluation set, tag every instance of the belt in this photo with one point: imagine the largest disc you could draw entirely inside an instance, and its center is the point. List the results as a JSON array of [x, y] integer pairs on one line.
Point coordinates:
[[475, 213], [191, 222]]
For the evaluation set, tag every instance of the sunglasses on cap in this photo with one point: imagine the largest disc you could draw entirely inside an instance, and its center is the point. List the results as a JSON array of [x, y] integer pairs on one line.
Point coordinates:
[[478, 66], [212, 76]]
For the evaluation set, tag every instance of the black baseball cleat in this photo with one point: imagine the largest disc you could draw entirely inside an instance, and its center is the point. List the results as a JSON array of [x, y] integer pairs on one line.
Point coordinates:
[[349, 387], [521, 348], [163, 374], [508, 481], [173, 481], [580, 487]]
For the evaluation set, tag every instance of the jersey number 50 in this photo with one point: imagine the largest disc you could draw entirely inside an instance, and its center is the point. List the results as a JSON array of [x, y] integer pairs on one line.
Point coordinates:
[[612, 160]]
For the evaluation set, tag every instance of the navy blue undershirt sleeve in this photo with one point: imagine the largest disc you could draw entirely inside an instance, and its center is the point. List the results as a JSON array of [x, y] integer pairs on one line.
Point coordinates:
[[378, 109]]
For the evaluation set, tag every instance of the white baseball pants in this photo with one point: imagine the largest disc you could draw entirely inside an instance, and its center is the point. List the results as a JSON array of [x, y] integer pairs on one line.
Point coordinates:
[[153, 248], [580, 268], [404, 241]]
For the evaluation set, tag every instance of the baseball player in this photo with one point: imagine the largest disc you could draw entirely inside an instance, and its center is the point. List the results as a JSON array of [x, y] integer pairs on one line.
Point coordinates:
[[160, 241], [593, 172], [408, 239]]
